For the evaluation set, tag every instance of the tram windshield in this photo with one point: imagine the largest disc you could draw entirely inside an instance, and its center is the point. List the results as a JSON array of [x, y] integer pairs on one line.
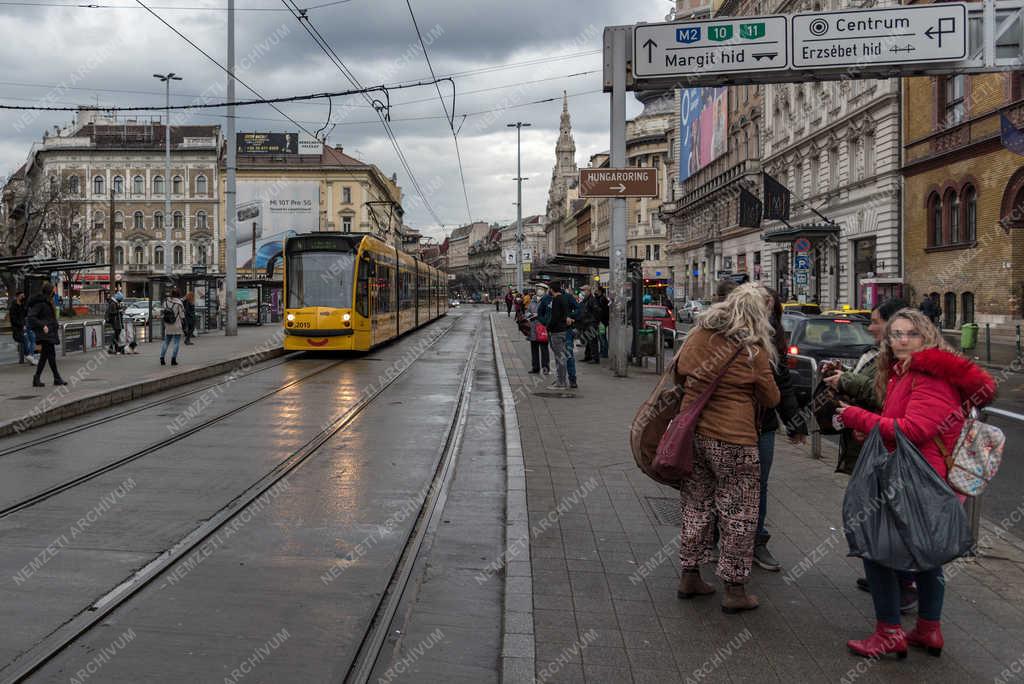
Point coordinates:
[[320, 279]]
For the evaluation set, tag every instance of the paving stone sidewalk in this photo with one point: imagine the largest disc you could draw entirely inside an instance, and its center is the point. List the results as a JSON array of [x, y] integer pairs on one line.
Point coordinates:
[[605, 573]]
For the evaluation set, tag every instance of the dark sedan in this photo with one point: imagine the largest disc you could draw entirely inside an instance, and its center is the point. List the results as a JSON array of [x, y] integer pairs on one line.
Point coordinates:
[[824, 338]]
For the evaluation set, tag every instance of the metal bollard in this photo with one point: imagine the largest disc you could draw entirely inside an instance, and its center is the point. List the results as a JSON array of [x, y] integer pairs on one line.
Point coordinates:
[[988, 343], [815, 432], [659, 342], [1018, 339]]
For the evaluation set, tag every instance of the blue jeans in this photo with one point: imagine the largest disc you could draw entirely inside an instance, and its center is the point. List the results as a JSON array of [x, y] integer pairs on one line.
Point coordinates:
[[602, 343], [167, 340], [766, 453], [885, 592], [570, 354], [29, 340]]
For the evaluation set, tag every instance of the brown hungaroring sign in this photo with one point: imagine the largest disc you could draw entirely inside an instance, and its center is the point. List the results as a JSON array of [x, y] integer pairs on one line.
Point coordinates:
[[630, 182]]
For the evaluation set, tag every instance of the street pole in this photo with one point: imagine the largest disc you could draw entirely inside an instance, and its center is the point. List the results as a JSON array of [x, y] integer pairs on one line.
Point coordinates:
[[619, 283], [230, 239], [167, 170], [110, 288], [518, 125]]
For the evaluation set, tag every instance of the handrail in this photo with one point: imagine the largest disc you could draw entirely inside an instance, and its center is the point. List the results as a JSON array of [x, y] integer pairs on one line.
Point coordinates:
[[812, 423]]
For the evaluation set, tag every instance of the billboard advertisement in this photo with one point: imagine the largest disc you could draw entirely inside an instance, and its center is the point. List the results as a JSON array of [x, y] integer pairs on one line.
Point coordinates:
[[702, 128], [268, 212], [268, 143]]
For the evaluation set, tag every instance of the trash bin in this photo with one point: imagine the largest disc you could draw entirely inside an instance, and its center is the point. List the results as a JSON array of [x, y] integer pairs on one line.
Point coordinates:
[[968, 336], [645, 343]]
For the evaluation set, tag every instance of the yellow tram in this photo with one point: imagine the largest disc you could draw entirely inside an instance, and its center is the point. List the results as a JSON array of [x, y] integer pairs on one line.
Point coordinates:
[[351, 291]]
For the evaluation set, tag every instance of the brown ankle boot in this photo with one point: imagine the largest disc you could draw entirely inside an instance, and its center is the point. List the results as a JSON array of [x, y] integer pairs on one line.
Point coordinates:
[[737, 599], [691, 584]]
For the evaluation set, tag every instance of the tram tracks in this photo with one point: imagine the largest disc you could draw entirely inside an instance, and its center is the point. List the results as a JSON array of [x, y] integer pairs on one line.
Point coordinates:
[[57, 641]]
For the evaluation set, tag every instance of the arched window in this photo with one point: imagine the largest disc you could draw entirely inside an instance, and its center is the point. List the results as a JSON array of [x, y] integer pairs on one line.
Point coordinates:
[[949, 310], [54, 185], [140, 254], [97, 185], [967, 307], [158, 256], [158, 220], [158, 185], [201, 185], [970, 202], [118, 221], [73, 185], [176, 186], [201, 254], [934, 220], [179, 255], [179, 221], [98, 255], [118, 185], [953, 207], [119, 255], [137, 221], [201, 220], [138, 185], [97, 221]]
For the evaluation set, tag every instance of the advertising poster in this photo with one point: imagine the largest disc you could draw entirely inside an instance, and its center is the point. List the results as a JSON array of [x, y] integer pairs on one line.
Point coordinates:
[[267, 143], [268, 212], [248, 305], [93, 336], [702, 128]]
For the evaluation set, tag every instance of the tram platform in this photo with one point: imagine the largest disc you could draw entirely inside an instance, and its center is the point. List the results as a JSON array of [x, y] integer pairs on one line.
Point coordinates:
[[97, 379], [601, 545]]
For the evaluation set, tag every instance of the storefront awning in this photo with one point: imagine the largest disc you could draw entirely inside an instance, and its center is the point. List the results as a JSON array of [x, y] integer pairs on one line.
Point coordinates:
[[588, 261], [810, 231]]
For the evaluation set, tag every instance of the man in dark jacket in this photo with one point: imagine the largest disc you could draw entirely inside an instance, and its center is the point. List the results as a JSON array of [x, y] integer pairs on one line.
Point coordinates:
[[930, 308], [113, 319], [604, 307], [17, 315], [190, 317], [589, 319], [558, 319]]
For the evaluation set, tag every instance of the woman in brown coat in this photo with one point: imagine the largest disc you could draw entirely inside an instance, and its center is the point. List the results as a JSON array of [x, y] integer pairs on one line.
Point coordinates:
[[734, 335]]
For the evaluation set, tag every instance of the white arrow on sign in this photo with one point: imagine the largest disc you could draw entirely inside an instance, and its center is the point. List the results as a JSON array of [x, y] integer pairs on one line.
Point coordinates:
[[620, 187]]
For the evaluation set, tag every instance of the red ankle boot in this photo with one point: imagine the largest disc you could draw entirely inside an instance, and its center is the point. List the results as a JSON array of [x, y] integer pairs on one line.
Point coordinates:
[[886, 639], [928, 635]]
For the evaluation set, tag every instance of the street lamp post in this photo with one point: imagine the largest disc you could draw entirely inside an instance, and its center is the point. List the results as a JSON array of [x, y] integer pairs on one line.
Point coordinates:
[[166, 79], [518, 125]]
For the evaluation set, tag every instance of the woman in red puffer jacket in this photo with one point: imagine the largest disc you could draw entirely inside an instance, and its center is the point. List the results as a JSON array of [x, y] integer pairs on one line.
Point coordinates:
[[928, 389]]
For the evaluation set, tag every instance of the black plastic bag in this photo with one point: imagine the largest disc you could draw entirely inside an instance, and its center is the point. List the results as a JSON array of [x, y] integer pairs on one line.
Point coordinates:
[[899, 513]]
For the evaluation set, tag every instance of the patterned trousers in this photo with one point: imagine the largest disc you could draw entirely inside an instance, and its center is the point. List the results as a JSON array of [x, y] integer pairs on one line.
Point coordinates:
[[726, 478]]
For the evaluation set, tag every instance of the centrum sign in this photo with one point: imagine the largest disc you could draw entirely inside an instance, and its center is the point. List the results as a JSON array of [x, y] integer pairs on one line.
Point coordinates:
[[912, 33], [629, 182], [724, 45]]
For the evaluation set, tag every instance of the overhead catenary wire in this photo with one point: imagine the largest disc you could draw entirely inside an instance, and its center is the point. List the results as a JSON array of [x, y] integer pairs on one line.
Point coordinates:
[[190, 8], [322, 43], [450, 117]]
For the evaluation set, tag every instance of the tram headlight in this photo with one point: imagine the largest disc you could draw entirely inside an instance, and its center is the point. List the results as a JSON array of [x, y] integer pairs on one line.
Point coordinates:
[[346, 317], [290, 317]]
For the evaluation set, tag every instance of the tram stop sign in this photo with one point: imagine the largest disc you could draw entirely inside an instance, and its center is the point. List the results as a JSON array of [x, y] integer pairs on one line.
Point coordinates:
[[629, 182]]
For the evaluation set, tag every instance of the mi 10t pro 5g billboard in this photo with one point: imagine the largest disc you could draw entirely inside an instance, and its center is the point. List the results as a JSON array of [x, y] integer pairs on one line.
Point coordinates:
[[267, 213]]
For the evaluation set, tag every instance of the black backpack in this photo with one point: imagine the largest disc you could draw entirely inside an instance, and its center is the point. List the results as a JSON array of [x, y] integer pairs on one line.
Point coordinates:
[[169, 315]]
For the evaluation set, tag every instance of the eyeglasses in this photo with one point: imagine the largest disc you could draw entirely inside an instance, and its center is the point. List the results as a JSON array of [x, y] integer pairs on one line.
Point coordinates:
[[897, 335]]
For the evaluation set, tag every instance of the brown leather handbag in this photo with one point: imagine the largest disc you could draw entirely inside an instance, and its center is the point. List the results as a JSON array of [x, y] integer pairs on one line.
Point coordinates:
[[674, 459]]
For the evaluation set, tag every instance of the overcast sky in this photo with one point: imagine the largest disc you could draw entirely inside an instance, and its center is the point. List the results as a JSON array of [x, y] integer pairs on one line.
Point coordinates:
[[108, 55]]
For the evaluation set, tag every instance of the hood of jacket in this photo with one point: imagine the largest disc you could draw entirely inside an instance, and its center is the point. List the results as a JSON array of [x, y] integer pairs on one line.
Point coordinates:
[[974, 385], [36, 299]]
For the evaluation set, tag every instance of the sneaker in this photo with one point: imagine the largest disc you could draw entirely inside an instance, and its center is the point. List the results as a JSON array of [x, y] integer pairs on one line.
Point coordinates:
[[573, 385], [765, 560], [32, 359], [908, 599], [533, 372], [862, 584], [556, 386]]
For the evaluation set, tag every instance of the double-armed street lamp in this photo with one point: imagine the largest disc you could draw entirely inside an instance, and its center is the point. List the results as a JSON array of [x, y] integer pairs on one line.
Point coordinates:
[[518, 125], [166, 79]]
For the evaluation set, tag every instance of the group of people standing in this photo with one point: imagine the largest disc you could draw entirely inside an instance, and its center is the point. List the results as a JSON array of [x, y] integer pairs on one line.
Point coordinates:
[[912, 380], [552, 318]]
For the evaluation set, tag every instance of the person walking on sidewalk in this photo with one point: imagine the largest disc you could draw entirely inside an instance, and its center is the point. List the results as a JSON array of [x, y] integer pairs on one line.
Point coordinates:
[[927, 389], [509, 300], [113, 319], [733, 338], [539, 353], [558, 319], [796, 431], [589, 319], [173, 315], [605, 309], [18, 314], [41, 318], [190, 317]]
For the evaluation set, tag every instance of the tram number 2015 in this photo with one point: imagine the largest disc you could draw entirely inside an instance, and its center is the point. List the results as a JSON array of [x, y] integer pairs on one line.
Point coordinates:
[[302, 325]]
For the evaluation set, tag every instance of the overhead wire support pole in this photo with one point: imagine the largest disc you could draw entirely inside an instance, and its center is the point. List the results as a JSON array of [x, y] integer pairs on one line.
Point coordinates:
[[518, 125], [230, 213], [167, 78], [619, 282]]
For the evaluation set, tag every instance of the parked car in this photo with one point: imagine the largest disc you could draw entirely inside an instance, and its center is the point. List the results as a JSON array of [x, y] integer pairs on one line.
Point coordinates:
[[454, 302], [691, 309], [138, 312], [656, 313], [847, 310], [823, 338]]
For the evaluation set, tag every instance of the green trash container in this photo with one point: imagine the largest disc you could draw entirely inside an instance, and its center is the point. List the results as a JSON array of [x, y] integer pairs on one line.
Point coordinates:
[[968, 336], [645, 343]]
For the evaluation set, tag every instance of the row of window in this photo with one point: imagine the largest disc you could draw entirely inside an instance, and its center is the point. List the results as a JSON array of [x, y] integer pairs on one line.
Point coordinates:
[[139, 255], [949, 303], [139, 221], [99, 185], [953, 217], [860, 161]]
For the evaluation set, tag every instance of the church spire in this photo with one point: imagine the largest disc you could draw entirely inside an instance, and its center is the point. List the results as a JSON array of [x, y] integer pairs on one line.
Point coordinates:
[[565, 150]]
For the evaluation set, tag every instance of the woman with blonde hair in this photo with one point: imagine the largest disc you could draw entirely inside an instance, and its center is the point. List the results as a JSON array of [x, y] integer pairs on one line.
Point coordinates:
[[927, 390], [732, 339]]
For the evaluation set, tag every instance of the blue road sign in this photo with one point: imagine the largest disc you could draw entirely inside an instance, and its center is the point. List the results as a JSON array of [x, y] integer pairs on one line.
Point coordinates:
[[802, 262]]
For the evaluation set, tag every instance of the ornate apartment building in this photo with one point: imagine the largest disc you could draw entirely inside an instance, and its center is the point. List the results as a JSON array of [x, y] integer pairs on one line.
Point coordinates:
[[100, 162]]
